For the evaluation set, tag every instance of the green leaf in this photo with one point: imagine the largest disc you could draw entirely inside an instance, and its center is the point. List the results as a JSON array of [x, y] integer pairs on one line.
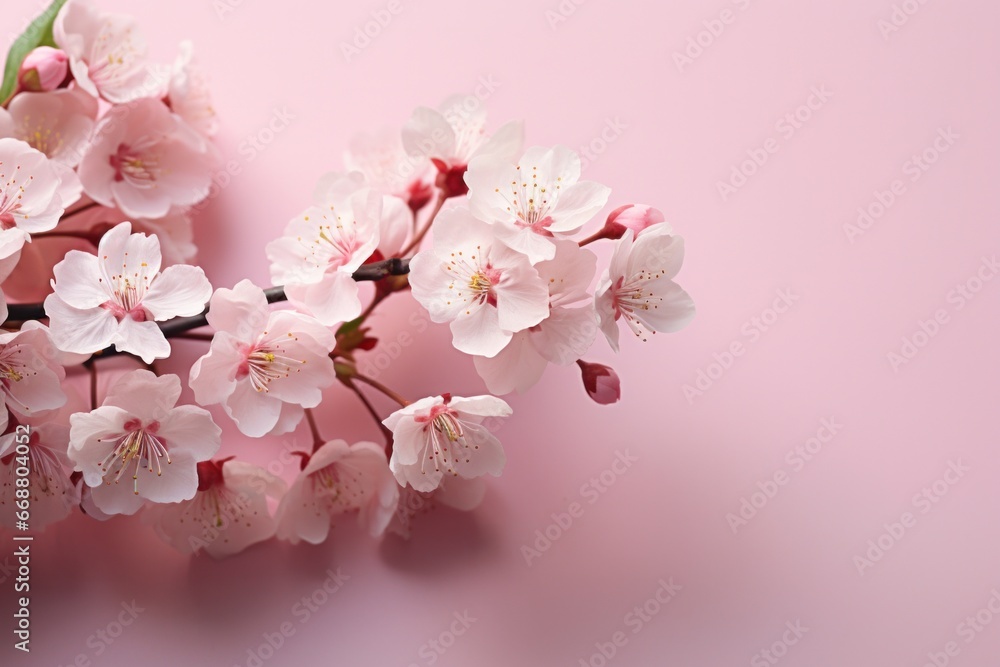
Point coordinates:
[[349, 327], [39, 33]]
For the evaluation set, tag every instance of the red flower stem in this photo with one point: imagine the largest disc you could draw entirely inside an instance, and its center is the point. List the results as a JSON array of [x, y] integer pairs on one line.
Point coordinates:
[[442, 197], [317, 439], [374, 413]]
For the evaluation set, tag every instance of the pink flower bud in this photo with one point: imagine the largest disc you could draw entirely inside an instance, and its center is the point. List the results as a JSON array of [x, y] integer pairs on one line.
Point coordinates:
[[601, 382], [636, 217], [43, 69]]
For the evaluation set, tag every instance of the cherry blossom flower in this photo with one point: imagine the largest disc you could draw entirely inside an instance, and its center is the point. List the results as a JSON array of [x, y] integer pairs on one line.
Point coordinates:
[[562, 337], [395, 220], [44, 68], [57, 123], [118, 296], [534, 201], [454, 134], [30, 375], [457, 493], [445, 435], [387, 167], [107, 54], [52, 494], [260, 360], [30, 199], [229, 512], [639, 288], [483, 288], [144, 159], [323, 246], [138, 446], [338, 479], [188, 95], [601, 382]]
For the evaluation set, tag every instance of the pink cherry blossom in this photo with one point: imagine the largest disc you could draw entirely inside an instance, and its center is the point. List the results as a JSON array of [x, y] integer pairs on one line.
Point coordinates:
[[483, 288], [52, 495], [230, 511], [323, 246], [189, 96], [562, 337], [387, 167], [57, 123], [116, 297], [44, 68], [445, 435], [395, 219], [454, 134], [535, 200], [137, 446], [639, 288], [338, 479], [30, 195], [107, 54], [261, 360], [30, 375], [601, 382], [144, 160], [457, 493]]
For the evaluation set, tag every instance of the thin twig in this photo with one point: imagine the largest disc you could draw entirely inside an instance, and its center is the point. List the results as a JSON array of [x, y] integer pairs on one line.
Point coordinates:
[[93, 385], [374, 413], [317, 439], [22, 312], [442, 197], [371, 382]]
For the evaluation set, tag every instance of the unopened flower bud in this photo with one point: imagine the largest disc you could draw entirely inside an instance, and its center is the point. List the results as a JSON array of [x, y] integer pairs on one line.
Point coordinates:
[[636, 217], [43, 69], [601, 382]]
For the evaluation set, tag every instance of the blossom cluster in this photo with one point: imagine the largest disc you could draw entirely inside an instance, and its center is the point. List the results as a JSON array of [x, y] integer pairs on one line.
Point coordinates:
[[102, 156]]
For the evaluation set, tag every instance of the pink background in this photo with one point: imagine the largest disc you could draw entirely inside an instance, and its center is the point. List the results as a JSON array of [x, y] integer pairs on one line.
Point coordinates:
[[826, 357]]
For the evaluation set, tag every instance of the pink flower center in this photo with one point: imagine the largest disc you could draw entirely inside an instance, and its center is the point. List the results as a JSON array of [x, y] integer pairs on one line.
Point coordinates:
[[483, 282], [529, 199], [445, 444], [139, 168], [340, 244], [632, 297], [11, 194], [12, 367], [264, 363], [340, 487], [140, 445], [127, 301]]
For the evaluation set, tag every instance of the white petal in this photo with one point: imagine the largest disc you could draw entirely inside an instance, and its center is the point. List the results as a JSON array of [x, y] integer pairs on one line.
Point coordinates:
[[255, 413], [143, 339], [479, 332], [81, 331], [180, 291], [566, 334], [515, 368], [241, 311], [189, 429]]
